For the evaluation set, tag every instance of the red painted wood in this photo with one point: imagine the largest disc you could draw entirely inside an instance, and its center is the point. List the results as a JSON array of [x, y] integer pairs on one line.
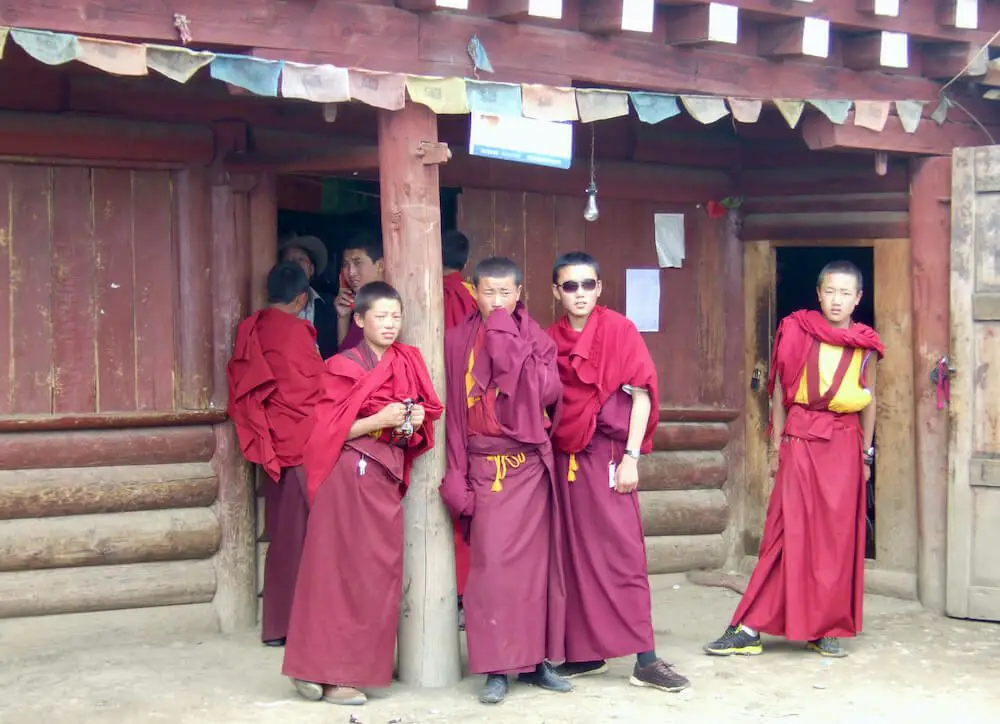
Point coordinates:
[[31, 293], [74, 261], [539, 252], [155, 262], [6, 328], [113, 232], [475, 219], [508, 225]]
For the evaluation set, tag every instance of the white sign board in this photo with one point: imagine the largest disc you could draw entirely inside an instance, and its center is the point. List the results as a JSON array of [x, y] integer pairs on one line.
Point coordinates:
[[524, 140]]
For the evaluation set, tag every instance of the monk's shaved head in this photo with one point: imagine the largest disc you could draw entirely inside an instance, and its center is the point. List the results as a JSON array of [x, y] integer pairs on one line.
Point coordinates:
[[454, 250], [841, 267], [285, 282], [575, 258], [374, 292], [496, 267]]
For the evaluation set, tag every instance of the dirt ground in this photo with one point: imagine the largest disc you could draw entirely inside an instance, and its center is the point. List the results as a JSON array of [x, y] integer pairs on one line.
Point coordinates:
[[909, 666]]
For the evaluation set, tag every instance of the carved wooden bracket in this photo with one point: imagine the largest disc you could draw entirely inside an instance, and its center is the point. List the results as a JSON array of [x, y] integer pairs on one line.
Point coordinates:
[[433, 153]]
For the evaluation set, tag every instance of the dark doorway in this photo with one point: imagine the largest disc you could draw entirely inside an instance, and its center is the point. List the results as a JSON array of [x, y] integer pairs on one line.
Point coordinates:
[[796, 270]]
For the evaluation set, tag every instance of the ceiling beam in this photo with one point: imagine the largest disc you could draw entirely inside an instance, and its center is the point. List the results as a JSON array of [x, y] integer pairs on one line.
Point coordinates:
[[794, 38], [702, 24], [929, 139], [876, 51], [944, 61], [524, 10], [609, 17]]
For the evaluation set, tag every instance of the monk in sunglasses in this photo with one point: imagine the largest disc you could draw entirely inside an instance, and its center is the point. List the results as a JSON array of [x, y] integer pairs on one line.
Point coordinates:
[[608, 416]]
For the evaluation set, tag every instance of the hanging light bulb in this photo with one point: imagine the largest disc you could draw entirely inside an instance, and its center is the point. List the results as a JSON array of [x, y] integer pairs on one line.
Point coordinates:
[[590, 211]]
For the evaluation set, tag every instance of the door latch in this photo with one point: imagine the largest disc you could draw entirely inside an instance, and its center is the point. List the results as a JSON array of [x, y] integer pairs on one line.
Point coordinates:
[[943, 370]]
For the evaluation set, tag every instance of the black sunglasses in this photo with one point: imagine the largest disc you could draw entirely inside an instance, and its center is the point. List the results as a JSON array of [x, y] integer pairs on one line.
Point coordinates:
[[588, 285]]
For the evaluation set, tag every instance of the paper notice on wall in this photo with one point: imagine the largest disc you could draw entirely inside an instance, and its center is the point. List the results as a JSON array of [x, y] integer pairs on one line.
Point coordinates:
[[642, 298], [669, 230]]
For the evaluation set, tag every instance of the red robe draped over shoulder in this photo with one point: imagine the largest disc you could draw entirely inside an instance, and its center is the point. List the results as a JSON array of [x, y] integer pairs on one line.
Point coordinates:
[[809, 579], [501, 486], [274, 380], [459, 300]]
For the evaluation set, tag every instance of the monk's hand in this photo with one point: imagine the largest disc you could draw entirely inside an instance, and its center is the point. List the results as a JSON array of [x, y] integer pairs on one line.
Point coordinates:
[[344, 302], [392, 415], [417, 416], [627, 475], [772, 461], [868, 472]]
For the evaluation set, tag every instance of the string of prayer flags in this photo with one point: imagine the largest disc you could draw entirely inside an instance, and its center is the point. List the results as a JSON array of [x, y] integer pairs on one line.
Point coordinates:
[[595, 104], [871, 114], [46, 47], [317, 83], [378, 89], [745, 111], [940, 114], [909, 113], [498, 99], [257, 75], [654, 107], [545, 103], [4, 31], [705, 109], [442, 95], [835, 111], [176, 63], [790, 110], [113, 56], [476, 51]]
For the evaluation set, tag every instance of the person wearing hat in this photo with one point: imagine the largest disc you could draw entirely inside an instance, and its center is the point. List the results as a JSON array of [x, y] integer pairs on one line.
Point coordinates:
[[310, 253]]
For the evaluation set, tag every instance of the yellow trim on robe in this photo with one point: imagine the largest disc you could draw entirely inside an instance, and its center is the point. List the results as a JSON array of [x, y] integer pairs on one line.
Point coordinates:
[[503, 462], [468, 285], [573, 467], [851, 397], [469, 381]]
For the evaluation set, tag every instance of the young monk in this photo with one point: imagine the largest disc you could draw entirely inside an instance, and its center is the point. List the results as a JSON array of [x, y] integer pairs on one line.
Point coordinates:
[[501, 375], [361, 264], [608, 416], [459, 303], [808, 584], [373, 420], [274, 383]]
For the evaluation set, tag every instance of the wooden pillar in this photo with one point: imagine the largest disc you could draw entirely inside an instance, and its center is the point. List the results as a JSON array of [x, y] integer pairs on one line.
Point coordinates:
[[235, 563], [411, 228], [263, 237], [930, 233]]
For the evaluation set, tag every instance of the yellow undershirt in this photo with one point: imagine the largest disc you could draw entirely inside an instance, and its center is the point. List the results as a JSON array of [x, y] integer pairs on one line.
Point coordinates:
[[851, 397]]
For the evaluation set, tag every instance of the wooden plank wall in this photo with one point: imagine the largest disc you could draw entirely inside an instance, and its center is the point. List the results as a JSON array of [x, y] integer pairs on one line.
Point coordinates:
[[88, 322], [698, 447]]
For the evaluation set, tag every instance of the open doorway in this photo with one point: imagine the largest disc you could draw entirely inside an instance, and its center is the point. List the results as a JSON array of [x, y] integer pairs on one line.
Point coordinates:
[[796, 275]]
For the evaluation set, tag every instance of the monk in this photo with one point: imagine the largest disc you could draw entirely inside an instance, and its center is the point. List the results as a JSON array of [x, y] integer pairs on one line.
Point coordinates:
[[274, 383], [608, 417], [501, 373], [372, 421], [808, 584], [361, 264], [459, 303]]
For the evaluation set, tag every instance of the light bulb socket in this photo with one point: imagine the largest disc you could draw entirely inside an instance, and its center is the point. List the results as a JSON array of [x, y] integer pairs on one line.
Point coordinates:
[[591, 189]]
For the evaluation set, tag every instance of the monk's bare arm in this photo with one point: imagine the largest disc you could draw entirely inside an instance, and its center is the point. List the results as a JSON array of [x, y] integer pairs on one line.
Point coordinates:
[[778, 414], [868, 414], [639, 419]]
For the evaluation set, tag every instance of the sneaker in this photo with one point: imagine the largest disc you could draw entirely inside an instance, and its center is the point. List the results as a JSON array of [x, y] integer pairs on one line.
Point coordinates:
[[571, 670], [495, 689], [344, 696], [827, 646], [735, 641], [658, 675], [308, 689], [545, 677]]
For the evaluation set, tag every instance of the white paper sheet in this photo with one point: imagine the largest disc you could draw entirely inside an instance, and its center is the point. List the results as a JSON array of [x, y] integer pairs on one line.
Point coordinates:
[[669, 231], [642, 298]]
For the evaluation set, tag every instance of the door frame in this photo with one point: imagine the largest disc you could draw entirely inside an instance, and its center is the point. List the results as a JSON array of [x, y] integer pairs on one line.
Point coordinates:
[[894, 570]]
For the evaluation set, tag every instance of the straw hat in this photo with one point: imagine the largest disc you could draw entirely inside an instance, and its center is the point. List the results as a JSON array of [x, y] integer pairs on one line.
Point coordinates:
[[312, 246]]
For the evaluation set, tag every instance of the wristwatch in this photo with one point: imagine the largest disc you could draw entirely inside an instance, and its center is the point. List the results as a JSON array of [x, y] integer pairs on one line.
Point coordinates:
[[869, 455], [634, 454]]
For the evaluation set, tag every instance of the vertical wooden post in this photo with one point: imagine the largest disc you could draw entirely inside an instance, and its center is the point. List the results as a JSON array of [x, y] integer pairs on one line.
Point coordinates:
[[411, 228], [930, 243], [235, 563], [263, 237]]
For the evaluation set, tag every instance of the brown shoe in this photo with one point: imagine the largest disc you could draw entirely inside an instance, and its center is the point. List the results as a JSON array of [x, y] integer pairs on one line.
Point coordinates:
[[344, 695], [658, 675]]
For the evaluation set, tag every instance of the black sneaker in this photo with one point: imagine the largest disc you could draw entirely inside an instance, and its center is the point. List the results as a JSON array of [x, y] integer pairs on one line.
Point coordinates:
[[658, 675], [827, 646], [545, 677], [495, 689], [735, 641], [571, 670]]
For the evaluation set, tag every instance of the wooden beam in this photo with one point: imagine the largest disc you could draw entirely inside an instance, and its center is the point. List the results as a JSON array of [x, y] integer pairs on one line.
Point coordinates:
[[947, 60], [343, 159], [520, 10], [794, 38], [883, 8], [876, 51], [701, 24], [930, 139], [411, 230], [608, 17], [959, 14], [421, 6]]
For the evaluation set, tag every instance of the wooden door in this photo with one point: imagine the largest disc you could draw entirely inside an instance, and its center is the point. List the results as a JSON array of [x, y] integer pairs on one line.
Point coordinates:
[[973, 579]]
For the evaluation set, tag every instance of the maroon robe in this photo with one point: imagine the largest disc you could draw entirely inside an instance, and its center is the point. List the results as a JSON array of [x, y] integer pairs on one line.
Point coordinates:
[[608, 612], [353, 338], [343, 626], [459, 304], [274, 381], [809, 580], [499, 482]]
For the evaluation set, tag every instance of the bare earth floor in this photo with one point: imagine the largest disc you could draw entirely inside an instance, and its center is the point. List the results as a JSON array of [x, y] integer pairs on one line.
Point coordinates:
[[909, 666]]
